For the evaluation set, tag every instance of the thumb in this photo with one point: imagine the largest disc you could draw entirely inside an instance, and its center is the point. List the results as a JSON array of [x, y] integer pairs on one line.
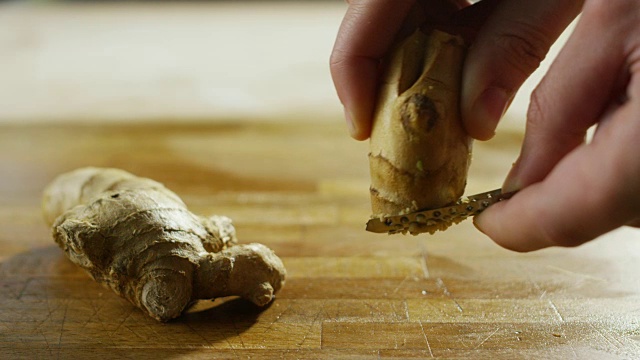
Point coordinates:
[[509, 47]]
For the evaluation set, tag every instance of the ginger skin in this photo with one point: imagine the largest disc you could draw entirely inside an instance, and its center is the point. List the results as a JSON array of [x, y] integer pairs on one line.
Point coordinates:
[[419, 151], [137, 237]]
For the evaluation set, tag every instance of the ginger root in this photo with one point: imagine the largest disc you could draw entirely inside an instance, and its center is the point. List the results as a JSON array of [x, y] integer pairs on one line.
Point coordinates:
[[138, 238], [419, 152]]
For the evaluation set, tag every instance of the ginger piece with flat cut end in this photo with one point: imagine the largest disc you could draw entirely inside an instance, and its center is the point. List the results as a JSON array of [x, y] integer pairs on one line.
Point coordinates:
[[137, 237], [419, 151]]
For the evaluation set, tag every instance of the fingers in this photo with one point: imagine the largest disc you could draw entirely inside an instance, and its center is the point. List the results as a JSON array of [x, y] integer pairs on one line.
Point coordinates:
[[591, 192], [572, 96], [367, 32], [509, 47], [575, 191]]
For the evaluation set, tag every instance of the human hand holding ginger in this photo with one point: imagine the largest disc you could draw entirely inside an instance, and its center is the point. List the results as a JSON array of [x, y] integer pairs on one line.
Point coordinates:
[[571, 192]]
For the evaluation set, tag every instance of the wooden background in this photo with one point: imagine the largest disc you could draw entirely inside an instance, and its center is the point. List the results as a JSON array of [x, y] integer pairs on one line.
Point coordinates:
[[301, 189], [299, 185]]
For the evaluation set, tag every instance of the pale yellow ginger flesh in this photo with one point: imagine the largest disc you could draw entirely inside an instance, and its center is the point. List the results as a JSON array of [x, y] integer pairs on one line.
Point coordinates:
[[419, 151], [137, 237]]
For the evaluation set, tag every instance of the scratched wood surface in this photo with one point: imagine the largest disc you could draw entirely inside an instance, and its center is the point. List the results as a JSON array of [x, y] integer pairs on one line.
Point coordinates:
[[301, 189]]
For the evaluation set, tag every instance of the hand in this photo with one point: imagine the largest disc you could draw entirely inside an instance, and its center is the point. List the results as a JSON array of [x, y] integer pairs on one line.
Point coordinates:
[[511, 38], [571, 191], [574, 191]]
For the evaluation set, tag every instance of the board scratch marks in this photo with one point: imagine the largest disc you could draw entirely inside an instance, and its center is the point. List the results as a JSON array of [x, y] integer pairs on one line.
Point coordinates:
[[148, 330], [48, 344], [556, 311], [480, 311], [406, 310], [423, 260], [373, 308], [434, 310], [355, 267], [233, 348], [542, 295], [322, 339], [96, 310], [615, 343], [24, 288], [137, 334], [381, 335], [238, 333], [64, 319], [458, 306], [425, 268], [400, 284], [124, 319], [536, 285], [310, 328], [573, 351], [446, 292], [51, 312], [278, 317], [426, 339], [574, 274], [198, 334], [487, 338]]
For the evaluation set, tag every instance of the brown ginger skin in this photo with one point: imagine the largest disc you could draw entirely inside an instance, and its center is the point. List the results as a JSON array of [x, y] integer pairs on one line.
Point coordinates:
[[419, 151], [137, 237]]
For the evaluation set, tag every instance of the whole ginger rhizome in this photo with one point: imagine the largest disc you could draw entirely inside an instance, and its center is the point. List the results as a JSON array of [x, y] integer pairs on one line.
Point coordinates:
[[137, 237]]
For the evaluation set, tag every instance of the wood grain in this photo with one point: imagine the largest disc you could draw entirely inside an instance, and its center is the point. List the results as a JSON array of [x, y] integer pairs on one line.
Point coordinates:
[[302, 189]]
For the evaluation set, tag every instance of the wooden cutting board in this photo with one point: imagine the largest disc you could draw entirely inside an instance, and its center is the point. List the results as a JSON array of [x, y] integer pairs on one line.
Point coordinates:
[[302, 189]]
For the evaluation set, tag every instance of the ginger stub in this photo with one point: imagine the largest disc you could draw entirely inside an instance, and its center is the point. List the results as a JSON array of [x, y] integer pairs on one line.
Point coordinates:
[[137, 237], [419, 151]]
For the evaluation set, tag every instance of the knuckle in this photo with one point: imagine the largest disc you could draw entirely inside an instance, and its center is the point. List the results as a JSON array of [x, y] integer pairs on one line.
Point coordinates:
[[541, 122], [337, 59], [523, 47], [536, 111]]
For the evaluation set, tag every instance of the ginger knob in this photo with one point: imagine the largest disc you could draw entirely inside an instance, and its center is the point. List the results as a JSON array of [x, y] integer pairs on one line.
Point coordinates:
[[137, 238], [419, 151]]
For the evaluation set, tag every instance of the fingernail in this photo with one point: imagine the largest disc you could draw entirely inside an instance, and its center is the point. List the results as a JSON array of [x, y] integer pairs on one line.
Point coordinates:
[[512, 183], [478, 223], [489, 108], [351, 126]]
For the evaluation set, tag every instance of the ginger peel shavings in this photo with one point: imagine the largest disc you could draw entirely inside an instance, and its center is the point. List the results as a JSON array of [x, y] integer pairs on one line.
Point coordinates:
[[137, 238], [419, 151]]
